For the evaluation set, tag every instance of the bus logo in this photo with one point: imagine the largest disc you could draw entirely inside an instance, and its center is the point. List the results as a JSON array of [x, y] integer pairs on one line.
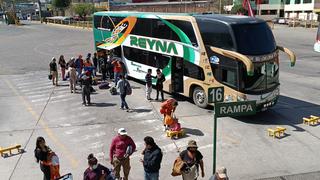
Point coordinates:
[[214, 60]]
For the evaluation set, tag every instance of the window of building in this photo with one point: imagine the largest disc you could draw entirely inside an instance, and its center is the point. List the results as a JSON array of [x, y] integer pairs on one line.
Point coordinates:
[[193, 71], [287, 1], [297, 1], [264, 1], [307, 1]]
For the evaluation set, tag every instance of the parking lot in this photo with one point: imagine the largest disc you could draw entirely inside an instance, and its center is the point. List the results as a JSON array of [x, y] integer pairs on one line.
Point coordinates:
[[74, 131]]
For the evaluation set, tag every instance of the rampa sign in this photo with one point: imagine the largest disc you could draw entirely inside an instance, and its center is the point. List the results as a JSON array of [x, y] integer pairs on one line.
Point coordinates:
[[235, 108]]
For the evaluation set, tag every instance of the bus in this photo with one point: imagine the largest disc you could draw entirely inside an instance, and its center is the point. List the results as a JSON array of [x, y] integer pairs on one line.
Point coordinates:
[[196, 52]]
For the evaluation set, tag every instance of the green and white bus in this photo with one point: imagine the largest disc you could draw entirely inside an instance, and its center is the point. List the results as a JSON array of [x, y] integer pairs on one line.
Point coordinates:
[[196, 52]]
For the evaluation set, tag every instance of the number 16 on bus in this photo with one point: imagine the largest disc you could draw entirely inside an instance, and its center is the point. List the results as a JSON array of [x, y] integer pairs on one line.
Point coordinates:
[[215, 94]]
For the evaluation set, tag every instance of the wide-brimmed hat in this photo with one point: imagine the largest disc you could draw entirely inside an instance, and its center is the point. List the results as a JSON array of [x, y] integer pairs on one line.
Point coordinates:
[[222, 172], [122, 131], [192, 144]]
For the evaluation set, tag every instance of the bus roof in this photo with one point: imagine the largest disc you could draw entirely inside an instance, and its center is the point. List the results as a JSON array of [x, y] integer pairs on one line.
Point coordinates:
[[136, 13], [229, 19]]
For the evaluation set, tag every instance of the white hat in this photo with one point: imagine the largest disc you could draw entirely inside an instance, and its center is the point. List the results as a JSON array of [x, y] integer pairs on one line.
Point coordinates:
[[122, 131], [222, 172]]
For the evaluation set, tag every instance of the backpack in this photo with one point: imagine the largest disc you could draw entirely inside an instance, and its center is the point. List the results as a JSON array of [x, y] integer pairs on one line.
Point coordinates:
[[128, 88], [113, 90]]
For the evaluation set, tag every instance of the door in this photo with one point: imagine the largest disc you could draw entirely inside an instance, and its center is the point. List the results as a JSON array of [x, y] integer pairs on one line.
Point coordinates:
[[177, 74]]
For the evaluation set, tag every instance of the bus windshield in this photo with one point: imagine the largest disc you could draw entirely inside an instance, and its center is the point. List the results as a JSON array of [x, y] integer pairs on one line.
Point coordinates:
[[265, 78], [254, 39]]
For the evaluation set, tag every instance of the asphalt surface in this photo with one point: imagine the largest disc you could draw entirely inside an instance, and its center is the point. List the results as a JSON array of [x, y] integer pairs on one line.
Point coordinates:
[[74, 131]]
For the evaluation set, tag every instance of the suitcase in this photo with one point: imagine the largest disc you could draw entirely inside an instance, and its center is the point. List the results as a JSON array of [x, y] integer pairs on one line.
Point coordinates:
[[113, 91], [104, 85]]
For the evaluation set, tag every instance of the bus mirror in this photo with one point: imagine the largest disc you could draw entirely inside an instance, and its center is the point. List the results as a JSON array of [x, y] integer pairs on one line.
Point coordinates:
[[236, 56], [291, 55]]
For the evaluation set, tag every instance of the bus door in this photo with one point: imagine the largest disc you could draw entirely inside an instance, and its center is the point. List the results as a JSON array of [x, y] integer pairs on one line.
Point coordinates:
[[177, 74]]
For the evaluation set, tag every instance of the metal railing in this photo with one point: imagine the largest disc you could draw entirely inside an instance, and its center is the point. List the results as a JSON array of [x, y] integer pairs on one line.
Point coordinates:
[[70, 22]]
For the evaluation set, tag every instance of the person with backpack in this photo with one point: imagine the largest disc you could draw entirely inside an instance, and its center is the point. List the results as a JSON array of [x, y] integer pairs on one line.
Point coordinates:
[[54, 71], [192, 159], [62, 64], [86, 81], [152, 157], [122, 146], [148, 79], [159, 84], [124, 89], [96, 171], [49, 161]]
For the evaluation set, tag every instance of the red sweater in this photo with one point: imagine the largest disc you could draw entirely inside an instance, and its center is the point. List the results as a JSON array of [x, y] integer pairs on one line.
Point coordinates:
[[119, 146]]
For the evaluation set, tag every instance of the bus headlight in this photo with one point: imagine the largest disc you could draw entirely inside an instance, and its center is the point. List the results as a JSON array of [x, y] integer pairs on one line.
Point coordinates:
[[229, 98]]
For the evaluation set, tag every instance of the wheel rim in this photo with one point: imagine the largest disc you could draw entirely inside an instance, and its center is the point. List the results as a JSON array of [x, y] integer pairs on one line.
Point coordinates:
[[200, 98]]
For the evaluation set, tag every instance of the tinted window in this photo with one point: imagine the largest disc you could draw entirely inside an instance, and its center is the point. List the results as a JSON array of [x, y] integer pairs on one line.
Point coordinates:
[[143, 27], [106, 23], [193, 71], [215, 34], [155, 60], [254, 39]]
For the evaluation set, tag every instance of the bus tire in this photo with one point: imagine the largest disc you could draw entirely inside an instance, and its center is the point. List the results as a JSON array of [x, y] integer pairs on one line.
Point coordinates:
[[199, 97]]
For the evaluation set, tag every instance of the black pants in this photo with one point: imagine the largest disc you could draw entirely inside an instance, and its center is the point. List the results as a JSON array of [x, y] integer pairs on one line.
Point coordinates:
[[104, 75], [46, 172], [86, 94], [161, 91]]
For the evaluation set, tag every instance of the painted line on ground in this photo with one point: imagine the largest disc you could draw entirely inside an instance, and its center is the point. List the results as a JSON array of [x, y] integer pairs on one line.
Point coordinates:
[[73, 161]]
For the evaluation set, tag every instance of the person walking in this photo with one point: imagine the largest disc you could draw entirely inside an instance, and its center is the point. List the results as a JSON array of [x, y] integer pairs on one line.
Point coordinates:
[[152, 157], [192, 159], [96, 171], [122, 146], [159, 84], [49, 162], [148, 80], [95, 63], [54, 71], [117, 69], [72, 75], [103, 67], [79, 65], [220, 174], [86, 81], [123, 85], [62, 64]]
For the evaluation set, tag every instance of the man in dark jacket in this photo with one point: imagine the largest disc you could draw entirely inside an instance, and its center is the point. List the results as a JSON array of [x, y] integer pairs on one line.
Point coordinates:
[[152, 157], [54, 71], [86, 81]]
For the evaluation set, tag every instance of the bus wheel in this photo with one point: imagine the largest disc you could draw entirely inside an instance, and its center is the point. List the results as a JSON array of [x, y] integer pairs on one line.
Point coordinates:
[[199, 97]]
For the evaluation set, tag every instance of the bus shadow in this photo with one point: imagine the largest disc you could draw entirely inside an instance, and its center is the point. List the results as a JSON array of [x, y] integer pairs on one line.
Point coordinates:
[[288, 111]]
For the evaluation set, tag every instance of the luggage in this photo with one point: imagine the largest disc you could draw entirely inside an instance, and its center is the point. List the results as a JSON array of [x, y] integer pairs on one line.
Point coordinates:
[[50, 76], [113, 91], [104, 85], [177, 166]]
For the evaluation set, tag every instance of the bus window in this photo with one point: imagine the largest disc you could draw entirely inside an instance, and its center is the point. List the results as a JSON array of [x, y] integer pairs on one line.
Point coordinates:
[[152, 59], [229, 77], [215, 34], [143, 27], [254, 39], [187, 28], [105, 22], [193, 71]]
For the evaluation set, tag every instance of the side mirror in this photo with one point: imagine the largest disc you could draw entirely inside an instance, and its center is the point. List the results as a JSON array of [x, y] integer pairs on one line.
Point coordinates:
[[291, 55]]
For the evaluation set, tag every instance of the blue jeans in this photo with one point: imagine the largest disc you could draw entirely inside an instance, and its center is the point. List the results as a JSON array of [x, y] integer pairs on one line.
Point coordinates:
[[116, 77], [123, 101], [151, 176]]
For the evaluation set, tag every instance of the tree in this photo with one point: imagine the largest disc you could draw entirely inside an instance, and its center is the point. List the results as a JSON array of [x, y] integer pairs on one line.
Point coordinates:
[[83, 9], [61, 4], [238, 9]]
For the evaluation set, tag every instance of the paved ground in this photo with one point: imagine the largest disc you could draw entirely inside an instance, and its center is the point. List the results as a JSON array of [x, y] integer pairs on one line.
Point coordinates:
[[74, 131]]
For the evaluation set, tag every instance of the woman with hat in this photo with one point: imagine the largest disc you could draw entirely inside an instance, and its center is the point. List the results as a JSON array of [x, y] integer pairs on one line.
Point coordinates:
[[193, 159]]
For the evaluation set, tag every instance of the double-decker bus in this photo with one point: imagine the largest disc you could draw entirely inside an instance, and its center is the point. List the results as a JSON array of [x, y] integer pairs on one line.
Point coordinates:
[[196, 52]]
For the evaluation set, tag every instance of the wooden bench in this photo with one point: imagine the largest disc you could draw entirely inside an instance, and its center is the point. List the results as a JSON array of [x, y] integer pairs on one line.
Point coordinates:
[[175, 134], [3, 150], [312, 120], [277, 132]]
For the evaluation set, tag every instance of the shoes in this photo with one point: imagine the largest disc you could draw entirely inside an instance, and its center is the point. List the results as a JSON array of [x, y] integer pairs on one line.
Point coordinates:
[[89, 104], [83, 104], [156, 99], [121, 108], [128, 109]]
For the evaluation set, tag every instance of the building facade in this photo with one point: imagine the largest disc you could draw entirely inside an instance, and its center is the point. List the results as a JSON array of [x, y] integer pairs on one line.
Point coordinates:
[[301, 9]]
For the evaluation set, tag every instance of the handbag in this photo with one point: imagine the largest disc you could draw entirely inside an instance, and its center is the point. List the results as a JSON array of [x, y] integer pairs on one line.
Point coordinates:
[[177, 166], [50, 76]]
